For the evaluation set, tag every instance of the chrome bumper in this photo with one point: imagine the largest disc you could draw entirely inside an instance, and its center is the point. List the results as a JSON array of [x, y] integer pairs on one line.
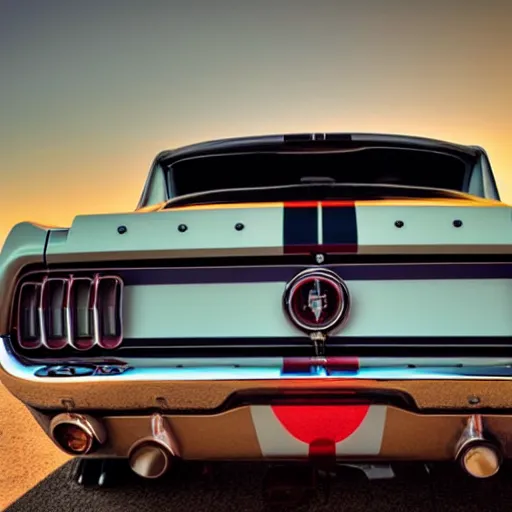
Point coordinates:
[[233, 410], [443, 384]]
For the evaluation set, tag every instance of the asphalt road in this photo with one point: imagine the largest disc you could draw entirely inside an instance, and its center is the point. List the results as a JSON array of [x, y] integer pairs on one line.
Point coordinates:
[[26, 455], [237, 487]]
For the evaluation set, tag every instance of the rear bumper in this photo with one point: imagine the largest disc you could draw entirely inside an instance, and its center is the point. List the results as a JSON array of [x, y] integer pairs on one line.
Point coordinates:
[[444, 385]]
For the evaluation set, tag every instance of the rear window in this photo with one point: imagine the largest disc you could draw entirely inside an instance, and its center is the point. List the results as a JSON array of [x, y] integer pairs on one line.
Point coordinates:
[[371, 166]]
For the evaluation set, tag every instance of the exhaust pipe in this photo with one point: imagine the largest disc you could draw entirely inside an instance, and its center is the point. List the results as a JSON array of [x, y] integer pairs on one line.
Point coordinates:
[[479, 456], [152, 456], [77, 434]]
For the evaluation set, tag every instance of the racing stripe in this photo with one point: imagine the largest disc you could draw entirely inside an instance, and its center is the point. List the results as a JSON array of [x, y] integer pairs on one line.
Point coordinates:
[[300, 227], [339, 227]]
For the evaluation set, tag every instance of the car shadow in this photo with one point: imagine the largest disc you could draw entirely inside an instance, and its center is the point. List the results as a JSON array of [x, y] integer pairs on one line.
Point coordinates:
[[239, 487]]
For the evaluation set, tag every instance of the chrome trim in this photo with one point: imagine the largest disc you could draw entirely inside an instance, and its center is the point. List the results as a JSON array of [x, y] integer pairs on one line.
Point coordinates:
[[38, 289], [91, 302], [69, 307], [141, 466], [87, 423], [162, 434], [323, 274], [118, 311], [268, 368], [161, 438], [95, 314], [189, 384], [41, 311], [473, 432], [474, 438]]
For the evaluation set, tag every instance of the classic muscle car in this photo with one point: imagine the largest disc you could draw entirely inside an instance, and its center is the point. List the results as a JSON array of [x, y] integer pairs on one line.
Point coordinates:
[[317, 298]]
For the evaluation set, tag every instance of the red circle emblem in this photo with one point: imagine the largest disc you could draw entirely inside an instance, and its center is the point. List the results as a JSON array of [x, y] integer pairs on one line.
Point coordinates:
[[316, 300], [333, 422]]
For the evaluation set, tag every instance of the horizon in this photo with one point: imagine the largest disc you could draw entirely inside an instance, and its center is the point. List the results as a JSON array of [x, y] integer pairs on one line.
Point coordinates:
[[92, 92]]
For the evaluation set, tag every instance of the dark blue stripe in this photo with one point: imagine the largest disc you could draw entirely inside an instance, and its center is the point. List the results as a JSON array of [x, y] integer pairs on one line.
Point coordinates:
[[154, 276], [239, 341], [339, 225], [300, 226]]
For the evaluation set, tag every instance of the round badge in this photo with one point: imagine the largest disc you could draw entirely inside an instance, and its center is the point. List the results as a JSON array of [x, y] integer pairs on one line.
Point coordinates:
[[317, 300]]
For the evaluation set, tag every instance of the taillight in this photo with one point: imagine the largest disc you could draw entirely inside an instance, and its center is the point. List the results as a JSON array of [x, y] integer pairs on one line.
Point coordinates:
[[108, 304], [78, 311], [82, 302], [54, 326], [29, 331]]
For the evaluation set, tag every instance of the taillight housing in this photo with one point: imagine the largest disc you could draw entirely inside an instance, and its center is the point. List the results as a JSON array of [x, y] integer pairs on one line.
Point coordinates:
[[53, 307], [76, 311], [28, 322]]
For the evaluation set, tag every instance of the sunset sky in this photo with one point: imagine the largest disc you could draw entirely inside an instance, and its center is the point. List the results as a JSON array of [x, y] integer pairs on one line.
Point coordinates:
[[91, 90]]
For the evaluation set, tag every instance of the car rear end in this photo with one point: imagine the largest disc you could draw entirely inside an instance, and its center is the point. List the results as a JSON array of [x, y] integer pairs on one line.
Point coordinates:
[[305, 330]]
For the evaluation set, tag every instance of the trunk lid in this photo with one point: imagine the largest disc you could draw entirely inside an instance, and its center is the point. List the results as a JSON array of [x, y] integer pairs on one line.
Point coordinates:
[[398, 226]]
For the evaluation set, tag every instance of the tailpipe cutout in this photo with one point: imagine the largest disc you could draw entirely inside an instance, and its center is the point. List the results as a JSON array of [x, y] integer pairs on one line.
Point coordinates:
[[479, 456], [153, 456]]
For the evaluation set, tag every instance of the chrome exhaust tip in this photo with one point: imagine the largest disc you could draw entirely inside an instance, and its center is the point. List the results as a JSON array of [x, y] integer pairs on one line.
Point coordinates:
[[77, 434], [479, 456], [152, 456], [149, 459]]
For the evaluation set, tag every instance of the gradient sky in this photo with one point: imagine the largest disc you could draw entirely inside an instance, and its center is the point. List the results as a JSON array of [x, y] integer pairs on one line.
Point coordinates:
[[91, 90]]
